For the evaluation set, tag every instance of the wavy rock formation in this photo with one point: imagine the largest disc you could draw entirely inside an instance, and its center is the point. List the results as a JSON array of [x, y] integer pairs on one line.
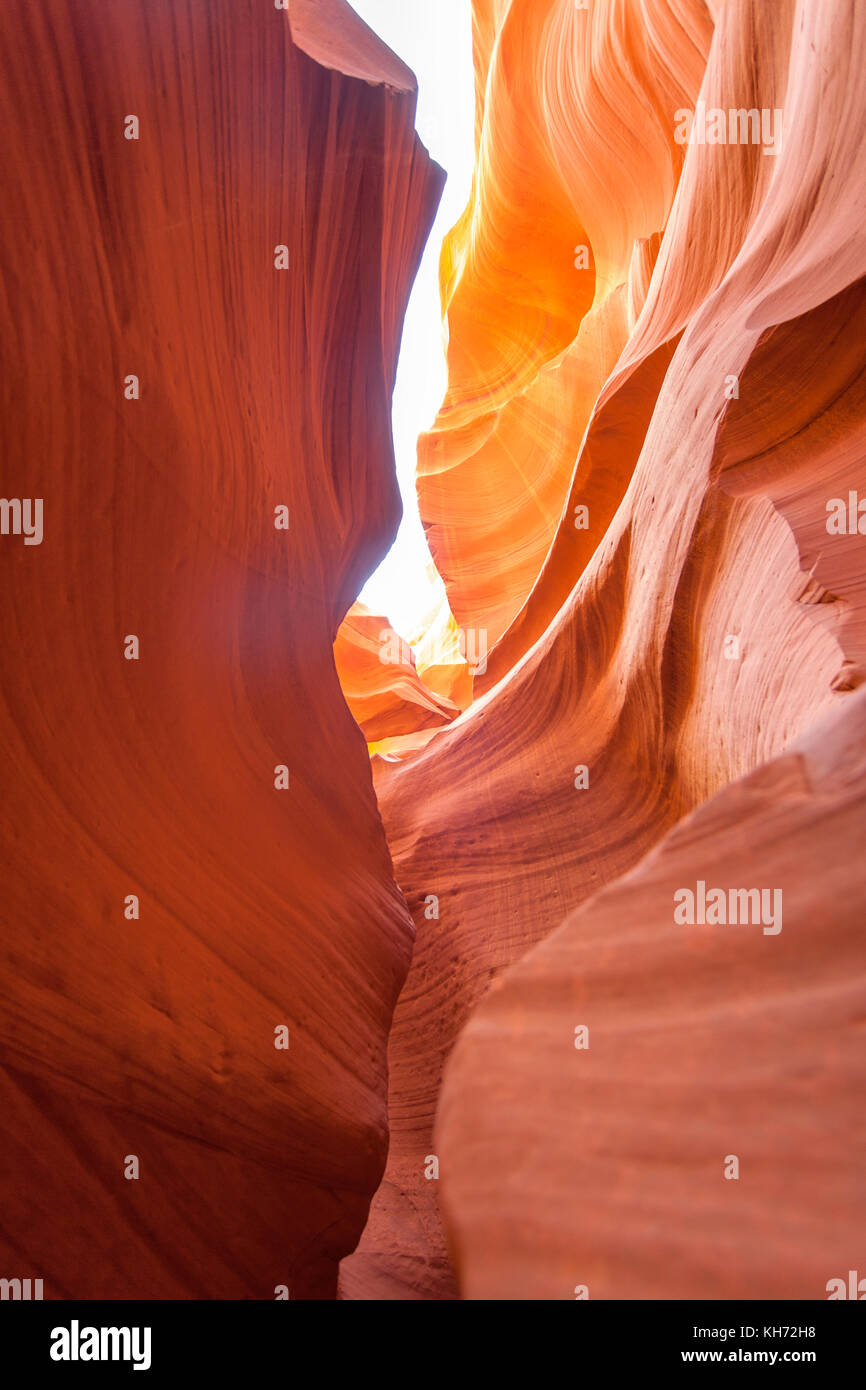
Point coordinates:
[[537, 289], [602, 1167], [379, 679], [643, 493], [702, 638], [218, 212]]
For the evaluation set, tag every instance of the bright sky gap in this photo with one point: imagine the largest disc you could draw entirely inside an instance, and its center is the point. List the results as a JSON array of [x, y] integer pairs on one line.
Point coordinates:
[[434, 37]]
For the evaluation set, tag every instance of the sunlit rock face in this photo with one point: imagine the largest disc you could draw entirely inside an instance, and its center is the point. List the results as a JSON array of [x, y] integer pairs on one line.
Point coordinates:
[[264, 378], [543, 277], [377, 672], [672, 694], [645, 494]]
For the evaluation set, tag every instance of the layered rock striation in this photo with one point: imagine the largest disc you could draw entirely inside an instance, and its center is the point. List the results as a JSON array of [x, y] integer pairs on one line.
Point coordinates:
[[216, 214], [584, 933], [672, 692]]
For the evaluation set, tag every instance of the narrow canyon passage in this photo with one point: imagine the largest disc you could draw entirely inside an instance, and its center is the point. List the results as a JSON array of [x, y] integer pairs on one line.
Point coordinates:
[[505, 943], [654, 387]]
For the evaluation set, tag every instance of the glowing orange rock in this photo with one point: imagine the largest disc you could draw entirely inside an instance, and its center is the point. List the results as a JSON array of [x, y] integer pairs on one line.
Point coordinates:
[[535, 277], [708, 619], [379, 680]]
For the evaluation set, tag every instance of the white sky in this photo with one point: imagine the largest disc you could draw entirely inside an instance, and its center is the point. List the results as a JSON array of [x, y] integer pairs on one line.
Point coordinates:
[[435, 38]]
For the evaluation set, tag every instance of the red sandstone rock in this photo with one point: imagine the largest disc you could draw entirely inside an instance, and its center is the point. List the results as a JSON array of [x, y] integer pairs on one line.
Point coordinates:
[[259, 388], [671, 698], [705, 621], [601, 1163]]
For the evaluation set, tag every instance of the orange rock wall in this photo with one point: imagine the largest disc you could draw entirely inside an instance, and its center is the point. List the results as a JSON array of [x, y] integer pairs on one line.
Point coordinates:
[[672, 693], [708, 512], [576, 163], [378, 677]]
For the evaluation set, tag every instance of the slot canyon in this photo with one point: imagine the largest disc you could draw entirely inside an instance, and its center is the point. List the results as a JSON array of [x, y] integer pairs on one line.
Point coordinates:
[[362, 955]]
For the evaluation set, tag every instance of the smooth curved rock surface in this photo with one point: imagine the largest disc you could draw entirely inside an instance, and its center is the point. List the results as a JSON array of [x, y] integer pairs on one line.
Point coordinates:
[[611, 1173], [379, 679], [259, 907], [671, 693], [707, 624], [576, 106]]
